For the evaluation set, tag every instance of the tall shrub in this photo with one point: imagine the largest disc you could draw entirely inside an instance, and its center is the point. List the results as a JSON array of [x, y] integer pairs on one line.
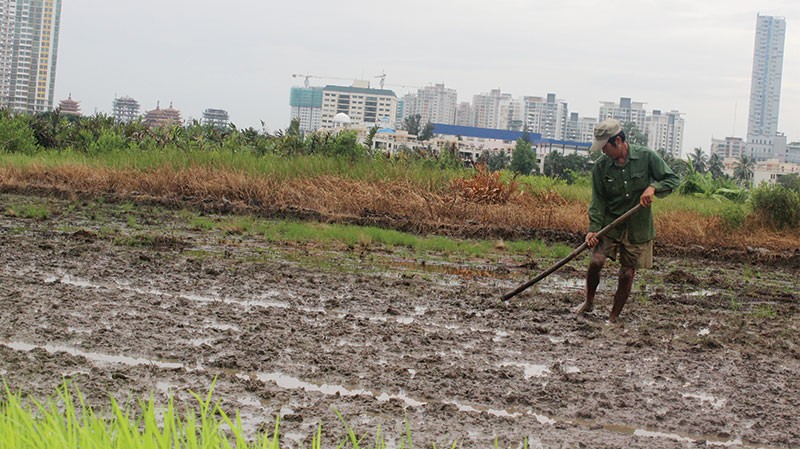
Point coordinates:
[[16, 134], [779, 206]]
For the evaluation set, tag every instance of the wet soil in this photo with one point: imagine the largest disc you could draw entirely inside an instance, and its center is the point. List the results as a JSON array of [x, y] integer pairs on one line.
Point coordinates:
[[126, 301]]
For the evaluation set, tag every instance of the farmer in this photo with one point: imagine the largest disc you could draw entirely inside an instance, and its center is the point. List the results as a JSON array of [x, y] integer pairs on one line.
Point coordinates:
[[623, 176]]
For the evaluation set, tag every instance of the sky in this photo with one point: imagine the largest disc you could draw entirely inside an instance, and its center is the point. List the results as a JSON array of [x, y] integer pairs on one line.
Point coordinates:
[[239, 55]]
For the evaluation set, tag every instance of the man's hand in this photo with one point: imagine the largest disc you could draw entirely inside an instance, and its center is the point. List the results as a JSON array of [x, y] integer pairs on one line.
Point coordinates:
[[648, 196], [591, 240]]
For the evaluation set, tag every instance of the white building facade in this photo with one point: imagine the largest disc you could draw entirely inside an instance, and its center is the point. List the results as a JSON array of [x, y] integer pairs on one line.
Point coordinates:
[[363, 105], [625, 111], [463, 114], [435, 104], [28, 51], [729, 147], [485, 111], [546, 116], [580, 129], [665, 132]]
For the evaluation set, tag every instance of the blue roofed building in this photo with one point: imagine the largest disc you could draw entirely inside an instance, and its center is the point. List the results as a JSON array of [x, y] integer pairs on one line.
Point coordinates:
[[473, 141]]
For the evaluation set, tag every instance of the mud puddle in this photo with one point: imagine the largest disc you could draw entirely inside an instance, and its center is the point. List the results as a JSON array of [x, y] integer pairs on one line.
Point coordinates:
[[287, 382]]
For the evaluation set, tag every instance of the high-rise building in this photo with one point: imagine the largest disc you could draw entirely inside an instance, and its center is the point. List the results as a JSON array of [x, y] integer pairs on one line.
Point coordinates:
[[487, 108], [580, 129], [625, 111], [664, 132], [363, 105], [547, 116], [510, 117], [435, 104], [306, 104], [765, 88], [28, 49], [463, 113]]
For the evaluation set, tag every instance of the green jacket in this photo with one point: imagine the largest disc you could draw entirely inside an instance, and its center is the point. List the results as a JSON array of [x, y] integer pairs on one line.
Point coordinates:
[[616, 189]]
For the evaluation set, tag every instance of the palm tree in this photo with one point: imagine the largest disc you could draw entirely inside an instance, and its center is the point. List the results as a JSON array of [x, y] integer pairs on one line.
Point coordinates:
[[698, 160], [743, 170], [715, 166]]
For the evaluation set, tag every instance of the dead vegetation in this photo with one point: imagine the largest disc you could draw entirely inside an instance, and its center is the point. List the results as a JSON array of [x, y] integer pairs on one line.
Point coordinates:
[[478, 206]]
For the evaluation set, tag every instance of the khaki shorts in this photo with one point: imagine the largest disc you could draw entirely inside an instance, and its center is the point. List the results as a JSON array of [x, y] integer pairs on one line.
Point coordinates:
[[636, 255]]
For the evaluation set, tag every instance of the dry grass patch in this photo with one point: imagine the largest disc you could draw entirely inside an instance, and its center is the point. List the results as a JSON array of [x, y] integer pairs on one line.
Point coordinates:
[[482, 201]]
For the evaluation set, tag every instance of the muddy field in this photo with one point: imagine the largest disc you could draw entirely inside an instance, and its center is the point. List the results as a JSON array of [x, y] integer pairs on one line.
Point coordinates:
[[128, 301]]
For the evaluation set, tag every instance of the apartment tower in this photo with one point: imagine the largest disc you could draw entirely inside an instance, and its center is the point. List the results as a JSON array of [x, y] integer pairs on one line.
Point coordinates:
[[763, 140], [28, 50]]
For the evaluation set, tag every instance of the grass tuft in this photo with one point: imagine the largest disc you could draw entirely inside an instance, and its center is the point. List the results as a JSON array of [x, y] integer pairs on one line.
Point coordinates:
[[32, 211]]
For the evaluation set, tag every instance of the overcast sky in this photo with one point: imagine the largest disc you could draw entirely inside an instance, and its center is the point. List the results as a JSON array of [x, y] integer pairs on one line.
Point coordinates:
[[239, 55]]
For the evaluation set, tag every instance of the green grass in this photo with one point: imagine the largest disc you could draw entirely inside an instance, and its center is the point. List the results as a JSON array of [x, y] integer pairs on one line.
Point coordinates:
[[701, 205], [542, 184], [201, 223], [65, 421], [764, 311], [268, 165], [366, 236], [33, 209], [137, 240]]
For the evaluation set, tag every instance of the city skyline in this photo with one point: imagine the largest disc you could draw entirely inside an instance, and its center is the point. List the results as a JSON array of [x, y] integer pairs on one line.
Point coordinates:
[[695, 58]]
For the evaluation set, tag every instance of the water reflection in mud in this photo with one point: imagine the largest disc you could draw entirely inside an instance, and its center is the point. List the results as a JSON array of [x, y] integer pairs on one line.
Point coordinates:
[[93, 356], [292, 383]]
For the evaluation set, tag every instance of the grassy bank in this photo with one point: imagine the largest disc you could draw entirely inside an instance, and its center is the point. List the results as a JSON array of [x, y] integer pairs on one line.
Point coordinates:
[[409, 195]]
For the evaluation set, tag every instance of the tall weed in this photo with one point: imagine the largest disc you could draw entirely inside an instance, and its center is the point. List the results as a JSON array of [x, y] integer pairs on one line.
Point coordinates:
[[779, 206]]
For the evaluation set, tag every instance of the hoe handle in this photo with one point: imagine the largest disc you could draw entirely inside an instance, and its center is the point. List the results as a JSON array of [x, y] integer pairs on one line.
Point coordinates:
[[572, 255]]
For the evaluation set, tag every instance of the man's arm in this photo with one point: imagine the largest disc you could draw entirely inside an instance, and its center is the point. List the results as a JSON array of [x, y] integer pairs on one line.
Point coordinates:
[[664, 179], [597, 205]]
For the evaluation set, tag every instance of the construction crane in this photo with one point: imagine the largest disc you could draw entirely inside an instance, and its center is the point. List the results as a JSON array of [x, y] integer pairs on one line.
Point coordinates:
[[307, 76], [382, 76], [405, 86]]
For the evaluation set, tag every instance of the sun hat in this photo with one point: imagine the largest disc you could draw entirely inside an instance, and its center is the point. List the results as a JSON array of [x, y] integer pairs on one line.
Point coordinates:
[[605, 130]]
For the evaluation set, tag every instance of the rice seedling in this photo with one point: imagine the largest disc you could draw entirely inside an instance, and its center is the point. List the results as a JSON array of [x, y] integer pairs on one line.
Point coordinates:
[[65, 420]]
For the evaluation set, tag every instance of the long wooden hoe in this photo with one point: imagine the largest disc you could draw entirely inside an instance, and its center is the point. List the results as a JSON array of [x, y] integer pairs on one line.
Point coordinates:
[[574, 254]]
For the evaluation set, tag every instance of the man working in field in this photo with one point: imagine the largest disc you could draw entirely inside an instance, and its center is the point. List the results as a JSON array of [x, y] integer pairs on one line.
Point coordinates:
[[623, 176]]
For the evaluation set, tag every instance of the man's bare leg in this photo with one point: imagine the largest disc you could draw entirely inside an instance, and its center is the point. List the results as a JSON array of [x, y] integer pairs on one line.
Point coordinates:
[[623, 291], [592, 281]]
